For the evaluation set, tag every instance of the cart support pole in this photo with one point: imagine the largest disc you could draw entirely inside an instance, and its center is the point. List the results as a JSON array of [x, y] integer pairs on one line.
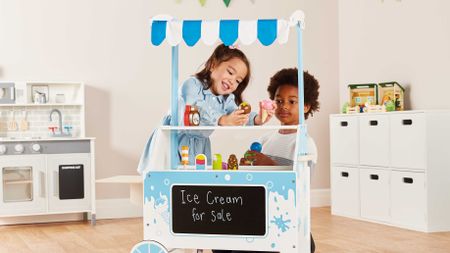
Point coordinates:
[[174, 110], [301, 85], [304, 209], [301, 95]]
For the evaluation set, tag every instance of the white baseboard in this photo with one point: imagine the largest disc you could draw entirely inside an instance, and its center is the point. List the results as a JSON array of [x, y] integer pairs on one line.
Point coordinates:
[[41, 219], [320, 197], [117, 209], [106, 209]]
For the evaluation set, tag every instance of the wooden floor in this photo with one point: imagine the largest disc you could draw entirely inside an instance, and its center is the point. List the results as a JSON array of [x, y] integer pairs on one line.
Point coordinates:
[[337, 234], [331, 233]]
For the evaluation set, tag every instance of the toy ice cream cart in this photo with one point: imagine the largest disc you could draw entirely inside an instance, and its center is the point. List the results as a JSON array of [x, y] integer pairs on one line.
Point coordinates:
[[221, 209]]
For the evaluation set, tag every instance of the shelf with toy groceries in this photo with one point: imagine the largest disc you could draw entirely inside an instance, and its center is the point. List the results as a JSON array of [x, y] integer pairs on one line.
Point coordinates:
[[240, 168], [234, 162], [264, 208], [225, 141]]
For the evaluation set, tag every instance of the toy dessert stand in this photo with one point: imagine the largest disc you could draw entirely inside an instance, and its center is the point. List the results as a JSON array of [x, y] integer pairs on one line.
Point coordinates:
[[267, 210]]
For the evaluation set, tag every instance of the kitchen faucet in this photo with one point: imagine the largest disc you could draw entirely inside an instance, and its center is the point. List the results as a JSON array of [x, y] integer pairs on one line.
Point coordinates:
[[61, 133]]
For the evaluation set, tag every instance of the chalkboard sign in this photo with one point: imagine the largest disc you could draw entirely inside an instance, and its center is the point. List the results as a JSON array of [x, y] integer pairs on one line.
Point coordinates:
[[224, 210]]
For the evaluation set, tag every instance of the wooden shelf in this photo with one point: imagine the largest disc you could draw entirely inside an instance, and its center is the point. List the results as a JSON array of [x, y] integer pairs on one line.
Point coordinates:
[[170, 128], [122, 179], [40, 105], [18, 182], [241, 168]]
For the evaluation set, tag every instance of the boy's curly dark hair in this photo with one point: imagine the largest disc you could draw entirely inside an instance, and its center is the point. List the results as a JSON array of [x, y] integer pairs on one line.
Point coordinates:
[[289, 76]]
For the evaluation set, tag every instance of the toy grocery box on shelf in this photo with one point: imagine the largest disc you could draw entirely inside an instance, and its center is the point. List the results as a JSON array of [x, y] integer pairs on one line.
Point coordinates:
[[372, 97]]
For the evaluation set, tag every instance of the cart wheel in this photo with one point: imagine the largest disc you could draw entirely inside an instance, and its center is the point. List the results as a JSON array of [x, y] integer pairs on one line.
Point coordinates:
[[148, 247]]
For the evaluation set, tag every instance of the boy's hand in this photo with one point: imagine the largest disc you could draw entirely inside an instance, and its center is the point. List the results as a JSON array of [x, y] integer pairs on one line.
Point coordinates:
[[270, 113], [257, 158], [236, 118]]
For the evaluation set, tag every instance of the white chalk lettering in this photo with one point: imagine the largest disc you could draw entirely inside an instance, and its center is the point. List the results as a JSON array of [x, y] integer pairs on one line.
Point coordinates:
[[220, 216], [211, 200], [196, 216], [189, 198]]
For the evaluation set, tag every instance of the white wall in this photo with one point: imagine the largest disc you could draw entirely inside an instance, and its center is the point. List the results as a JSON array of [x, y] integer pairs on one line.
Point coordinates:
[[407, 41], [104, 43]]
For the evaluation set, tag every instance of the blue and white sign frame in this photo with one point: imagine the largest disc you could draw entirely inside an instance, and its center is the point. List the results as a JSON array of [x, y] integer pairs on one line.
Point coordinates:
[[281, 209]]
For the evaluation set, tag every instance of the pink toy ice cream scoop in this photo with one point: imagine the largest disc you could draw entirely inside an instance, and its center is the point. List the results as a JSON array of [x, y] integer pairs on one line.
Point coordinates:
[[267, 105]]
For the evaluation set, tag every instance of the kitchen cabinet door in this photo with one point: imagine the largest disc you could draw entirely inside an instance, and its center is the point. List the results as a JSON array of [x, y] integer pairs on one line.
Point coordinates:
[[69, 177], [22, 190]]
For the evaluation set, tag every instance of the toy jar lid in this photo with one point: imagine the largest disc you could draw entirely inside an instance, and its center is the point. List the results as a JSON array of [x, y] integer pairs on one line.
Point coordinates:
[[362, 85], [391, 84]]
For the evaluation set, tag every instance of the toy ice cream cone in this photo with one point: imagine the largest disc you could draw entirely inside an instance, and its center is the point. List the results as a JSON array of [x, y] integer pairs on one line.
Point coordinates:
[[233, 162], [246, 107], [266, 105], [264, 115]]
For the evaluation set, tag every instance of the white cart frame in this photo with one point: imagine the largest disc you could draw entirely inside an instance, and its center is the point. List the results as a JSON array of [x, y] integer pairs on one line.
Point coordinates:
[[287, 192]]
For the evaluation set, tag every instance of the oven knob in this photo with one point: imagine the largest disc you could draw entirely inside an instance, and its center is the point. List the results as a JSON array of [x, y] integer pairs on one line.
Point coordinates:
[[36, 147], [19, 148], [2, 149]]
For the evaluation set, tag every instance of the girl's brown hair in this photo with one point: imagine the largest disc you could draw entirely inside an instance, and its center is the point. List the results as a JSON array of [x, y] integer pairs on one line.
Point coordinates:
[[221, 54]]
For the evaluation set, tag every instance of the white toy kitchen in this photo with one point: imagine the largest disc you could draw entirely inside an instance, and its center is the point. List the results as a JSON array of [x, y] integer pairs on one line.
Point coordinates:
[[46, 161]]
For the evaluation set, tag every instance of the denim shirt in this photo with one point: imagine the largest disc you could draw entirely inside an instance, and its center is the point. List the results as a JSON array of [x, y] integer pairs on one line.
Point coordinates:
[[210, 106]]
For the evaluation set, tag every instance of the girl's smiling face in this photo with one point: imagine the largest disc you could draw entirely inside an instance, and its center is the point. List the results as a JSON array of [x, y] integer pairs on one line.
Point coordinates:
[[286, 98], [227, 76]]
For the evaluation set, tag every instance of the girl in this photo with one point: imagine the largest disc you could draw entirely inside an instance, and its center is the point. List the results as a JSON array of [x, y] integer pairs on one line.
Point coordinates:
[[217, 91]]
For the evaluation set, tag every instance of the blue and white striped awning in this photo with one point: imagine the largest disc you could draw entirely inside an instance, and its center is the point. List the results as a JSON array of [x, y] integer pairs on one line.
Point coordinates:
[[228, 31]]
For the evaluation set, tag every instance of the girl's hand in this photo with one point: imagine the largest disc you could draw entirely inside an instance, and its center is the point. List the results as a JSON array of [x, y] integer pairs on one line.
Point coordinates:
[[270, 113], [236, 118]]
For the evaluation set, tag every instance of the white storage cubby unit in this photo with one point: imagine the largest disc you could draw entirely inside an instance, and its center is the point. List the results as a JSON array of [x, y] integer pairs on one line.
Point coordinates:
[[392, 168]]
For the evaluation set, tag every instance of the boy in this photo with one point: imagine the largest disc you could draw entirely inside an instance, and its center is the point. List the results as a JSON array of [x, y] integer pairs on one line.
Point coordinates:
[[279, 147]]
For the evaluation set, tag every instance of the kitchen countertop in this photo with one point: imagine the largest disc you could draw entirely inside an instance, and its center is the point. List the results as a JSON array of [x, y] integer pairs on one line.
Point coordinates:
[[33, 139]]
